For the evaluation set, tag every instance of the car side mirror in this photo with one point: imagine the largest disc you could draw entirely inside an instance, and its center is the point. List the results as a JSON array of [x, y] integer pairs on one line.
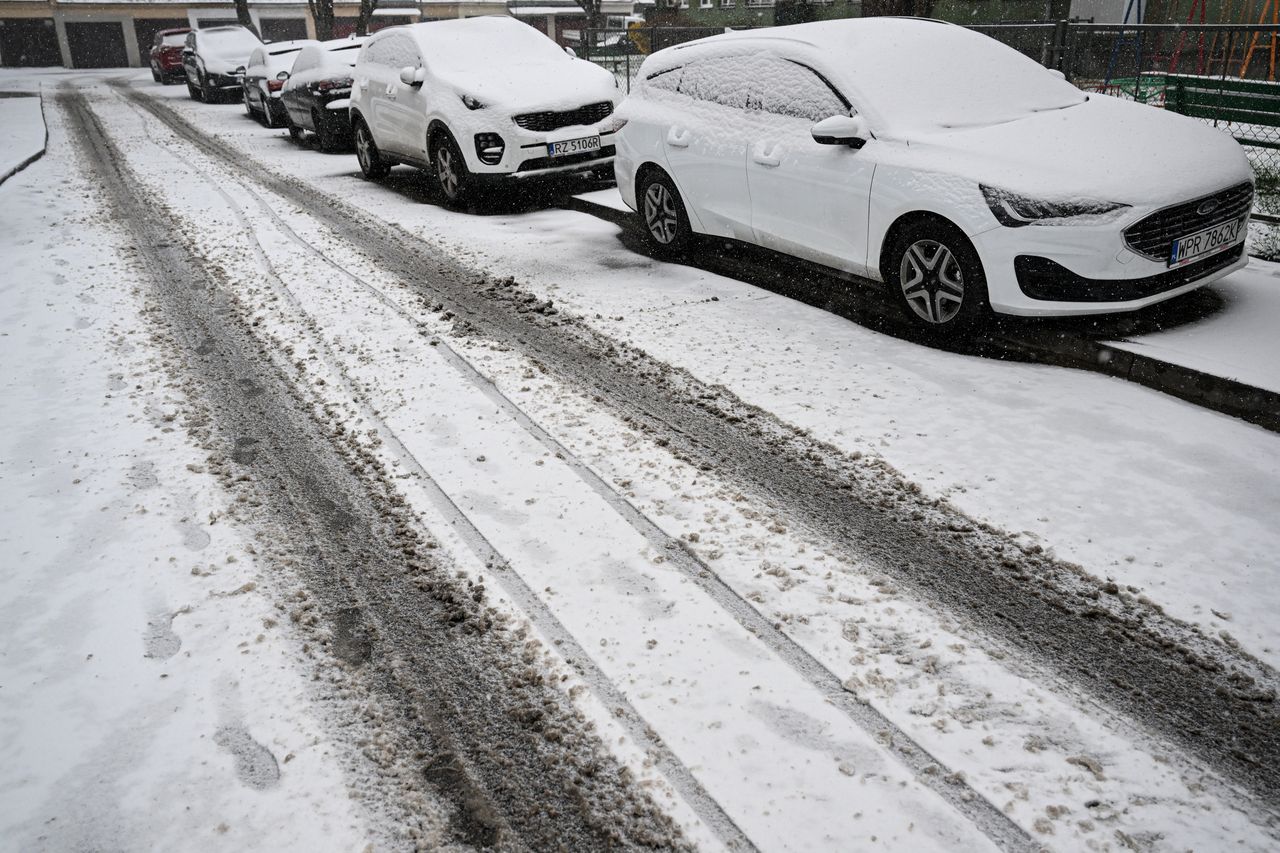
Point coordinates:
[[411, 76], [841, 130]]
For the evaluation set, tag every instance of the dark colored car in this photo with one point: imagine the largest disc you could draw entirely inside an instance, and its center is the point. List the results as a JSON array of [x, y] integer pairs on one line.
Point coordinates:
[[317, 94], [214, 61], [166, 55], [264, 78]]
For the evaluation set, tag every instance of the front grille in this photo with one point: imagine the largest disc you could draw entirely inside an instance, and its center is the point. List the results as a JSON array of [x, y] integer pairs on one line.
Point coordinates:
[[1153, 236], [548, 121]]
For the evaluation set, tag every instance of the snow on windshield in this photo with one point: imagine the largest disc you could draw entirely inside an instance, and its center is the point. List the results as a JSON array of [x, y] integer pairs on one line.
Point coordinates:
[[176, 40], [229, 42], [938, 77], [486, 43]]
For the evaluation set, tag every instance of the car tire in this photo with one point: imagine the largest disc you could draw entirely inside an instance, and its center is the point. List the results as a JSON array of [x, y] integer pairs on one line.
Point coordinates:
[[372, 166], [453, 178], [156, 75], [663, 217], [196, 94], [270, 117], [295, 132], [248, 104], [936, 277]]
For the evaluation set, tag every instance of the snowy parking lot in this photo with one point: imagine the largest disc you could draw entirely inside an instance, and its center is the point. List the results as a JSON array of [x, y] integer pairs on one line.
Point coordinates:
[[338, 518]]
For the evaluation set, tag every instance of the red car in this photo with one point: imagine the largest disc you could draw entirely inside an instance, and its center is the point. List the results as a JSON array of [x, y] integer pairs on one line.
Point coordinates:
[[166, 55]]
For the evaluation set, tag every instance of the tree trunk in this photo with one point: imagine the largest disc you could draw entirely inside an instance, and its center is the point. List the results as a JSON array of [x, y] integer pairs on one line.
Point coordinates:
[[322, 14], [245, 19], [367, 8]]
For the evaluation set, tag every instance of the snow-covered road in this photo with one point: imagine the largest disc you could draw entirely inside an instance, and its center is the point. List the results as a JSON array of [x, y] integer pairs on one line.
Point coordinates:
[[766, 680]]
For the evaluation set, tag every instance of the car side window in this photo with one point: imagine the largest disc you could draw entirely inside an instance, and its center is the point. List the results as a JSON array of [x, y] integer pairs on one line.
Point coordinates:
[[401, 52], [667, 81], [787, 88], [191, 41], [721, 80]]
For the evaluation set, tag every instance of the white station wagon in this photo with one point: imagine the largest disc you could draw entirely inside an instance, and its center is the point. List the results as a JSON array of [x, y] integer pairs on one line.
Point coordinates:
[[480, 99], [960, 173]]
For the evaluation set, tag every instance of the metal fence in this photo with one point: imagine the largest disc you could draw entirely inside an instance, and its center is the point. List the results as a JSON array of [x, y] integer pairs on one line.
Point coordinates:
[[1231, 68]]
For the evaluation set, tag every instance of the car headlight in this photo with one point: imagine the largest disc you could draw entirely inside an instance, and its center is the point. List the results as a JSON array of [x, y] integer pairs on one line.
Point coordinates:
[[1015, 210], [472, 103]]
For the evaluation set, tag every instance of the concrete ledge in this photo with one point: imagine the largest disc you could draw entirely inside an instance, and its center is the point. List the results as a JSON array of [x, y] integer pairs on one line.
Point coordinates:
[[23, 134]]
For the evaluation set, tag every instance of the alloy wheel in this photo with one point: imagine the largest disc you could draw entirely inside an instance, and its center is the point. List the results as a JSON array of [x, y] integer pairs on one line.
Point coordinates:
[[932, 282], [362, 149], [660, 214], [446, 171]]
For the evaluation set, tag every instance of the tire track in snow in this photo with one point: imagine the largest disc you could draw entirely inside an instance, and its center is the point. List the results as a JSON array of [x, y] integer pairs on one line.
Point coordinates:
[[927, 769], [461, 690], [705, 806], [1216, 701]]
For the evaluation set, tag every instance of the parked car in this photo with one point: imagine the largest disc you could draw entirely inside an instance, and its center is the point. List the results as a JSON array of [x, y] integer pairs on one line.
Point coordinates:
[[214, 60], [963, 175], [480, 100], [317, 95], [166, 55], [265, 76]]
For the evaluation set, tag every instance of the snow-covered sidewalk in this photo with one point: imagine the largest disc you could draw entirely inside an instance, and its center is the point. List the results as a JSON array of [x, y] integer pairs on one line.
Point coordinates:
[[152, 695], [1239, 342], [22, 133]]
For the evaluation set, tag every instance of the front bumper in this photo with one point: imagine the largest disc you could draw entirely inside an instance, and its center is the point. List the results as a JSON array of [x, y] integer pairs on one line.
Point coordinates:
[[1066, 270], [524, 155], [225, 81]]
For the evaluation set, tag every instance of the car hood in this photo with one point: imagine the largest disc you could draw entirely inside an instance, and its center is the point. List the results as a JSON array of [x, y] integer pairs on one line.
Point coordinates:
[[535, 88], [1105, 149]]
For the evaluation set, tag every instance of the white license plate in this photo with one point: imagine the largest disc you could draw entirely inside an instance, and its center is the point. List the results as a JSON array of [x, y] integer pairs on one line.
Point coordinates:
[[1210, 241], [573, 146]]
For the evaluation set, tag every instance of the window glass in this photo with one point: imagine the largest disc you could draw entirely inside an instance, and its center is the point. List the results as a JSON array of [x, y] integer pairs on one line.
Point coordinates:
[[723, 80], [788, 88], [668, 81], [400, 52]]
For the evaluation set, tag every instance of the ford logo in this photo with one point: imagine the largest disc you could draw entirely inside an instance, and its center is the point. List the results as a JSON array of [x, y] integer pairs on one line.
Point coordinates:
[[1207, 206]]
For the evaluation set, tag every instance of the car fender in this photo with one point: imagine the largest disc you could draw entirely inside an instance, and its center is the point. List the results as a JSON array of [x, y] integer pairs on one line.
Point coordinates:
[[898, 192]]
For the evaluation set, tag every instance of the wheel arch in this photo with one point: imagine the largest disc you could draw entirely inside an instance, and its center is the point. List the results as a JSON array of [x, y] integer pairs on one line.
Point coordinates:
[[647, 168], [904, 221]]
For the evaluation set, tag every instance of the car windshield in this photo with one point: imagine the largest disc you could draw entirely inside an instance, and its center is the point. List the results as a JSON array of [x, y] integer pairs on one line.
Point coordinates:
[[229, 41], [176, 40], [930, 78], [477, 49]]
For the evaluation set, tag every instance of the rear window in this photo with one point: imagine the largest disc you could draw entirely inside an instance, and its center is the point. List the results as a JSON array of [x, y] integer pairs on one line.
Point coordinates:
[[227, 41], [176, 40]]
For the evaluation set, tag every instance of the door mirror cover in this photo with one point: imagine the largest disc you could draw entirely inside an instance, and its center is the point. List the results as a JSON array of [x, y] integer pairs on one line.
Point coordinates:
[[411, 76], [841, 130]]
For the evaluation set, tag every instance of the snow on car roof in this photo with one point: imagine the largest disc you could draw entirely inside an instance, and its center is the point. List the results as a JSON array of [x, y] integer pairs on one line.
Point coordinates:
[[475, 42], [276, 48], [906, 74]]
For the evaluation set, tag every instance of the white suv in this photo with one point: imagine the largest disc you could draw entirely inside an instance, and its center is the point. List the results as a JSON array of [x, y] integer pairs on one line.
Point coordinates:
[[479, 99], [934, 159]]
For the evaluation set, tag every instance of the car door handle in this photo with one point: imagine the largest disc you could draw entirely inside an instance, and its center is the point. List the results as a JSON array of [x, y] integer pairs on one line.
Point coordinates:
[[766, 155], [678, 137]]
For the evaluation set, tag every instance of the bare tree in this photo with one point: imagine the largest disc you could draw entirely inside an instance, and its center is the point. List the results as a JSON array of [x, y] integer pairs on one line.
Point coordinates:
[[322, 14], [245, 19], [367, 8], [594, 19]]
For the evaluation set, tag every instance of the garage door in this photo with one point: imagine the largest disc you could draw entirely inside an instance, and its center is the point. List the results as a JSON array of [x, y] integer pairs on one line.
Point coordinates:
[[146, 29], [283, 29], [28, 43], [97, 45]]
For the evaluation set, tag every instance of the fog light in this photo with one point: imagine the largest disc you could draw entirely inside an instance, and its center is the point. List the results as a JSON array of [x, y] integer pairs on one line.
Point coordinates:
[[489, 148]]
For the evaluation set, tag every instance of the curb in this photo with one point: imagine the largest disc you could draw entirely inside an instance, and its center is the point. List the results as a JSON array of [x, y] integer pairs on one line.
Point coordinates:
[[1226, 396], [36, 156]]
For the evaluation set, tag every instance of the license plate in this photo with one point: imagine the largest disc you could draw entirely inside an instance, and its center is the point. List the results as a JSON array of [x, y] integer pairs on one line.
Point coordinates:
[[573, 146], [1210, 241]]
